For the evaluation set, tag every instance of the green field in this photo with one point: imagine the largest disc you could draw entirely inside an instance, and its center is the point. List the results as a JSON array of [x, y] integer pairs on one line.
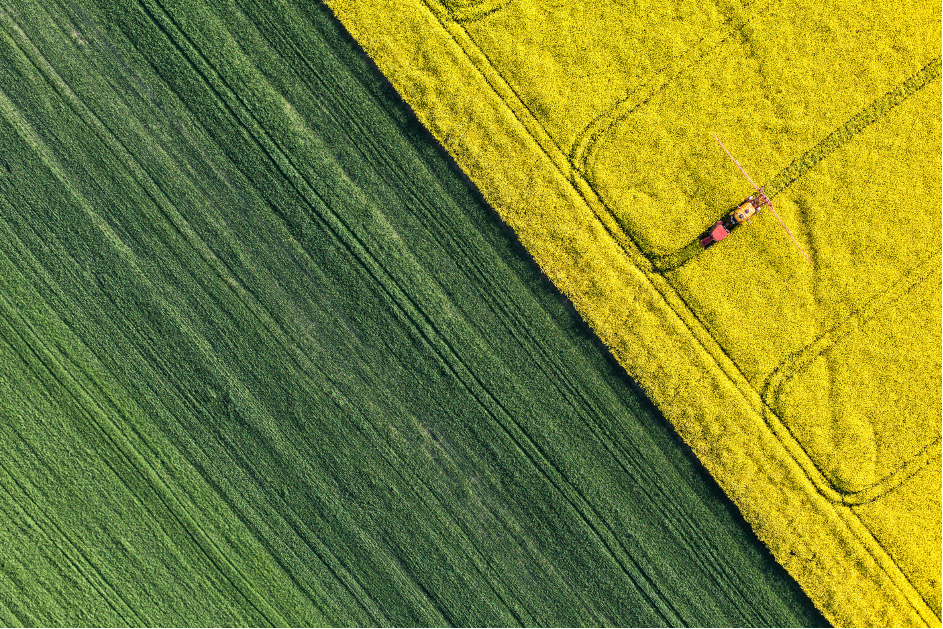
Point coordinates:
[[265, 359]]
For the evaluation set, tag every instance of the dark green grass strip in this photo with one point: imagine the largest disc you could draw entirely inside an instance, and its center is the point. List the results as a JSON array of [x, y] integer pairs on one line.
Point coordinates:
[[265, 358], [833, 141]]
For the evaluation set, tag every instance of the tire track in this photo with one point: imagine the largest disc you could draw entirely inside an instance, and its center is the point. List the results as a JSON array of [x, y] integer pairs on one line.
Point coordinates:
[[877, 110], [584, 146], [356, 247], [124, 155], [136, 460]]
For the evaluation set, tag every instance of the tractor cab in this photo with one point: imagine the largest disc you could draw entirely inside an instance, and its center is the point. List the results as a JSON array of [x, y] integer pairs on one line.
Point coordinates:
[[746, 210]]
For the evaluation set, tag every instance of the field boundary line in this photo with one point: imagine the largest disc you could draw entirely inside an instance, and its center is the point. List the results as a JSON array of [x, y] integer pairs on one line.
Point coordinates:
[[655, 297]]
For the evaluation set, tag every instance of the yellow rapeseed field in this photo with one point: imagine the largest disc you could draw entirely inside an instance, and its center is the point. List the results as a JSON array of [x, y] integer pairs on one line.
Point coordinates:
[[810, 389]]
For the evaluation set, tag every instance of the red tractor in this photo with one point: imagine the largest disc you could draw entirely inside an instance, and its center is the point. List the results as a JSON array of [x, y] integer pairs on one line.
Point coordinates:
[[743, 212]]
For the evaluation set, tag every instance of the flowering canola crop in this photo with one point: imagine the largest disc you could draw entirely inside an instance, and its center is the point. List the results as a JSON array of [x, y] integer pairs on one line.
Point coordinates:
[[810, 390]]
